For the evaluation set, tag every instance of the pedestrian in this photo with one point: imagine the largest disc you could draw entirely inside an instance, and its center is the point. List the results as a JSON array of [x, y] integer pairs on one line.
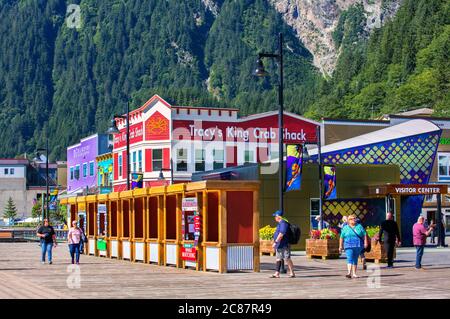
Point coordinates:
[[420, 234], [74, 239], [319, 226], [433, 234], [353, 240], [281, 245], [47, 236], [389, 234], [83, 240]]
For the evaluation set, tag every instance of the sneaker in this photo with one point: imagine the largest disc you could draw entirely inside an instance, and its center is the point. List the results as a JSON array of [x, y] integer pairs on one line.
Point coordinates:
[[50, 262], [348, 276], [283, 271], [42, 262]]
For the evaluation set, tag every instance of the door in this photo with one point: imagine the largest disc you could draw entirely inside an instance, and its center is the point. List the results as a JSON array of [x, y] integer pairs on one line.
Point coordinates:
[[447, 223]]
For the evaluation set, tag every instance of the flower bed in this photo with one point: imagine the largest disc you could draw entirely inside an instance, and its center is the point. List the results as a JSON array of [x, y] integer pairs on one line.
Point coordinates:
[[265, 240], [377, 252], [323, 243]]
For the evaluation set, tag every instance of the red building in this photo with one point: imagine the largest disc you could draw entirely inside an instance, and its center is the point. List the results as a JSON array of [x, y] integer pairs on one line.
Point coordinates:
[[192, 139]]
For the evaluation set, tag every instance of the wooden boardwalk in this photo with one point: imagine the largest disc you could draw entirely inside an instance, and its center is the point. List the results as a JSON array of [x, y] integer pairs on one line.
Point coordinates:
[[23, 276]]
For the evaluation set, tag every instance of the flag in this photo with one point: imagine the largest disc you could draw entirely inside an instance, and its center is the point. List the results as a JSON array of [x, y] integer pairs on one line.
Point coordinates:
[[136, 180], [294, 167], [329, 180]]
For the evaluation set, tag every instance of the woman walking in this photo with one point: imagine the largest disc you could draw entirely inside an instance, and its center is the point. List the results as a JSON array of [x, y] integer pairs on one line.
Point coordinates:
[[74, 239], [353, 240]]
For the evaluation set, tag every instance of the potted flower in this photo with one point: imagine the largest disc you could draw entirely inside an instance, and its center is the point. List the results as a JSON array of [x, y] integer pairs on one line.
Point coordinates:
[[377, 252], [323, 243], [265, 239]]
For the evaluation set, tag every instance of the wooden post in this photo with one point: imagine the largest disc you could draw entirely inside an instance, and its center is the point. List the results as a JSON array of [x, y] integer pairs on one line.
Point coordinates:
[[119, 228], [179, 198], [163, 229], [223, 231], [145, 219], [131, 223], [256, 264], [204, 222]]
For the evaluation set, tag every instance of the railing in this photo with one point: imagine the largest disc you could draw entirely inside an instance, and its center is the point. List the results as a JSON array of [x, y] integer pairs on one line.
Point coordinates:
[[30, 235]]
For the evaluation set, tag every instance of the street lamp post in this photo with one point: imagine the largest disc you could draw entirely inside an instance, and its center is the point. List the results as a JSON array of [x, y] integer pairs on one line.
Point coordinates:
[[114, 130], [319, 161], [261, 72], [47, 194]]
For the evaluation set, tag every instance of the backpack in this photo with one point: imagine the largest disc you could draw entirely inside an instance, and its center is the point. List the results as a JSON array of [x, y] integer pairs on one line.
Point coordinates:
[[294, 233]]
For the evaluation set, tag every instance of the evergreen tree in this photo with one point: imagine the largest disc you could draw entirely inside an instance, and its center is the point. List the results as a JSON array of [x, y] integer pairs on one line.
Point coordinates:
[[10, 210]]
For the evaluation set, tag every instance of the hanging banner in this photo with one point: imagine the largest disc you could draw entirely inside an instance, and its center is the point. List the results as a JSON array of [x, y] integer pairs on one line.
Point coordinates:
[[137, 180], [329, 180], [294, 167]]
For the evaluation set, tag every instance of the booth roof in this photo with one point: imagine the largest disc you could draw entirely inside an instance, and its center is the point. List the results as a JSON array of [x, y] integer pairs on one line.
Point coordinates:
[[409, 128]]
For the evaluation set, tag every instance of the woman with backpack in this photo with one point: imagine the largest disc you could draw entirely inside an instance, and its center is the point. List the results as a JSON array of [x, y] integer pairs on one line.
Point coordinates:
[[353, 240], [74, 237]]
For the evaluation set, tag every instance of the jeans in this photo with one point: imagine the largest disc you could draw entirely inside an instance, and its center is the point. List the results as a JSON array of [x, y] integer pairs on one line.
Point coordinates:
[[389, 247], [46, 247], [74, 250], [419, 254]]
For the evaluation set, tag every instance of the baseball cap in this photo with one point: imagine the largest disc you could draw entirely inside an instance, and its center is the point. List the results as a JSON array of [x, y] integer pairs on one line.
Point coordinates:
[[278, 213]]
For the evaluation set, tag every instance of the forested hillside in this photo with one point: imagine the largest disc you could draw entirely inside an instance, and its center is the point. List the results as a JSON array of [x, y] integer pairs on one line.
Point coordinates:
[[64, 83]]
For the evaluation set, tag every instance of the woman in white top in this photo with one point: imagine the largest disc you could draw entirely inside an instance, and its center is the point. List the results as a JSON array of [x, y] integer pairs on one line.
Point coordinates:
[[74, 239]]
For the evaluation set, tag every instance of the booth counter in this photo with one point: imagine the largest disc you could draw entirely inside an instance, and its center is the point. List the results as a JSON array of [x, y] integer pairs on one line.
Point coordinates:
[[207, 225]]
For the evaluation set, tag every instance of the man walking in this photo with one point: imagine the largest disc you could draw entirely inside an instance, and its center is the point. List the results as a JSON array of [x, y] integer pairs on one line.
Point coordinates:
[[281, 245], [420, 234], [48, 240], [390, 236]]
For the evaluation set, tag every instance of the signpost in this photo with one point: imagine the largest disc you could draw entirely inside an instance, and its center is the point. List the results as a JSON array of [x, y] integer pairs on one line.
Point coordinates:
[[191, 227]]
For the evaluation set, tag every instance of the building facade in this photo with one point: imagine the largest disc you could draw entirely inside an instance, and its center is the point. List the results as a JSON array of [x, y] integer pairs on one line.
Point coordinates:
[[82, 171], [104, 164], [182, 140], [25, 182], [335, 130]]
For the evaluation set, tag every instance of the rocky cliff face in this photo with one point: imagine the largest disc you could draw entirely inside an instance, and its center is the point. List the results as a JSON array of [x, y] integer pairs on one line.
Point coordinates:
[[315, 20]]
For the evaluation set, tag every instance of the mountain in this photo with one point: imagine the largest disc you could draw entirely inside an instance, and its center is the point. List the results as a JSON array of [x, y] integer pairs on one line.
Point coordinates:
[[66, 69]]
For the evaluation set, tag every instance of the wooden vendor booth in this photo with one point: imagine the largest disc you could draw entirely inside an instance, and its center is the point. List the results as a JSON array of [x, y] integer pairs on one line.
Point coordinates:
[[207, 225]]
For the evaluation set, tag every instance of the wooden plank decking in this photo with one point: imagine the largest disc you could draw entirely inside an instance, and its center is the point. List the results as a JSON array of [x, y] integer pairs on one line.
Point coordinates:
[[23, 276]]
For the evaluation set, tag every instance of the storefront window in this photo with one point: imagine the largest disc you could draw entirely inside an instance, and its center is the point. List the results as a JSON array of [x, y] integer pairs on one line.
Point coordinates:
[[199, 160], [218, 159], [84, 169], [91, 168], [120, 165], [444, 166], [157, 159], [314, 212], [134, 161], [71, 173], [249, 157], [140, 161], [77, 172], [182, 160]]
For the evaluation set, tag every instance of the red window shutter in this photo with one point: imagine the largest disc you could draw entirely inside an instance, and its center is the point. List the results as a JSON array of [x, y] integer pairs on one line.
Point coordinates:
[[124, 164], [116, 166], [166, 158], [148, 160], [231, 156]]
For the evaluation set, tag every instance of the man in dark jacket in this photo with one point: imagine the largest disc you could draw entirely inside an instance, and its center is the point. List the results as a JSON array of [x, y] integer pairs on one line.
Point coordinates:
[[390, 236]]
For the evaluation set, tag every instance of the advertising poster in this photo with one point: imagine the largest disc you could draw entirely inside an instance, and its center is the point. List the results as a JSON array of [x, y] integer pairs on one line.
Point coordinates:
[[293, 167], [329, 181], [137, 180]]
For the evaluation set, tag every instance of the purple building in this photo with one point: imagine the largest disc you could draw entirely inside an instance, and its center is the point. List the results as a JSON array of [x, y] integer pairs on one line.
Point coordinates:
[[81, 167]]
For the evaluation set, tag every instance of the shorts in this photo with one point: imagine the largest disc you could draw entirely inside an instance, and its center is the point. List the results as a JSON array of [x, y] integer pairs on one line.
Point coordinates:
[[283, 253], [353, 254]]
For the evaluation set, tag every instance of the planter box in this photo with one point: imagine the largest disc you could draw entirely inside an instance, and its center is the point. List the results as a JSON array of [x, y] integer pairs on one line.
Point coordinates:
[[325, 248], [377, 253], [265, 247]]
